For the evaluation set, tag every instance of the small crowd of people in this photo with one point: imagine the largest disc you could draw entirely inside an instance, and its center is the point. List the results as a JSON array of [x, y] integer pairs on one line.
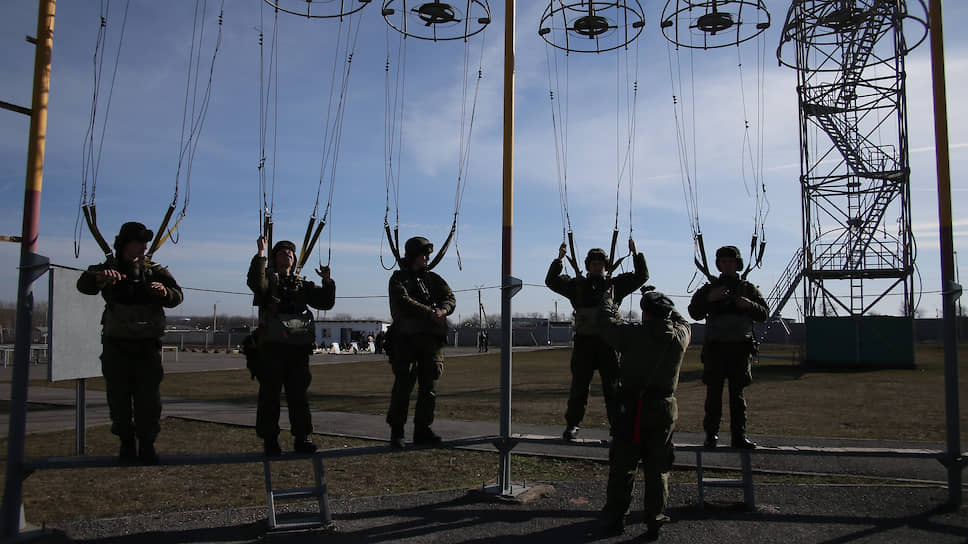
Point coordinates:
[[638, 362]]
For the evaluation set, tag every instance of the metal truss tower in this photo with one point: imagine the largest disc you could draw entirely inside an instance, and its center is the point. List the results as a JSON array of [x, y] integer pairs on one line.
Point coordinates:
[[858, 247]]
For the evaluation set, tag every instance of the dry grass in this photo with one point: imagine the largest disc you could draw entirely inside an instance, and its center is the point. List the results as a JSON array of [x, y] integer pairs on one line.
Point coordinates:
[[784, 399]]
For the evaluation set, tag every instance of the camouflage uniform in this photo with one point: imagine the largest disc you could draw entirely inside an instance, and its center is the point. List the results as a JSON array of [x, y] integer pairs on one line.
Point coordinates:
[[133, 323], [416, 353], [727, 351], [284, 362], [590, 352], [652, 353]]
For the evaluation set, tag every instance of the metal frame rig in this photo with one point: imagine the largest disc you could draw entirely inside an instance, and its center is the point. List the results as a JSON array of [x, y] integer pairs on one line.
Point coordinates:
[[709, 24], [858, 246], [591, 27], [437, 21], [319, 9]]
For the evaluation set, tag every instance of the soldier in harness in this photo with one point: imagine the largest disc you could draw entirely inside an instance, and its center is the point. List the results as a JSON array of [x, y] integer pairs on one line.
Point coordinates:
[[420, 302], [590, 352], [135, 292], [730, 305], [279, 355]]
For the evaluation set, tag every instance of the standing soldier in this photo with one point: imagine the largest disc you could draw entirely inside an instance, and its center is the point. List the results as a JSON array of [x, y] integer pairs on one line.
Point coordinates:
[[420, 302], [135, 290], [730, 305], [652, 354], [284, 341], [590, 352]]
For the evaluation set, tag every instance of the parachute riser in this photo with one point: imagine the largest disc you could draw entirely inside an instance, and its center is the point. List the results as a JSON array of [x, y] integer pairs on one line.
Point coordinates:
[[572, 258], [160, 234], [309, 243], [90, 217], [267, 230], [703, 264]]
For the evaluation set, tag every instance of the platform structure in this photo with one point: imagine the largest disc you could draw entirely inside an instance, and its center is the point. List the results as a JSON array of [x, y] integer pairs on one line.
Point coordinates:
[[858, 245]]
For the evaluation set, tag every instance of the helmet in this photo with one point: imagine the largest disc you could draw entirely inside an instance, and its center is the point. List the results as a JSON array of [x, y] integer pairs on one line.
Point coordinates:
[[417, 246], [596, 254], [283, 244], [132, 231], [729, 252], [655, 303]]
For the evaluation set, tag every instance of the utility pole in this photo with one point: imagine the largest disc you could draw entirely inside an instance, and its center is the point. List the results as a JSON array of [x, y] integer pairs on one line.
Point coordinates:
[[32, 266], [950, 290]]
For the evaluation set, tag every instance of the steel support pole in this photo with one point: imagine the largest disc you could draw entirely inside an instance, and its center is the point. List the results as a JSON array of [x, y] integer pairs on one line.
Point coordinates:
[[950, 291], [504, 471], [29, 264]]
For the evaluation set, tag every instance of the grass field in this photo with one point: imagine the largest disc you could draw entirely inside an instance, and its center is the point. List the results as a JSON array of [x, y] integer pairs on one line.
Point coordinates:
[[784, 400]]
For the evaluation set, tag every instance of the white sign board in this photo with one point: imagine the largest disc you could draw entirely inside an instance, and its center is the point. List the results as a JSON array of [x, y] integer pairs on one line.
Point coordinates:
[[75, 328]]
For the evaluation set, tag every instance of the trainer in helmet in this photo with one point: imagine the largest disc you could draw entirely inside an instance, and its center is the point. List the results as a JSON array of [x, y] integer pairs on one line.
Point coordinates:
[[655, 303], [729, 252]]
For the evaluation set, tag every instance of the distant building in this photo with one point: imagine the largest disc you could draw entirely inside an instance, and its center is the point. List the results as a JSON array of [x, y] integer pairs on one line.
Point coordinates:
[[347, 332]]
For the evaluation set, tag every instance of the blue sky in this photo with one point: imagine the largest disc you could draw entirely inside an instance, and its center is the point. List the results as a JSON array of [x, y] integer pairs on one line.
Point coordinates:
[[217, 238]]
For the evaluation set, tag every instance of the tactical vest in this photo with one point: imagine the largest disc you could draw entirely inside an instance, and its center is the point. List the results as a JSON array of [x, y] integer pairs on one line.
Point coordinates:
[[285, 317], [130, 311]]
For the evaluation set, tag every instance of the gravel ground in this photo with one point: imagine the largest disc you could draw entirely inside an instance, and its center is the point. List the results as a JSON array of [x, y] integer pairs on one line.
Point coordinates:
[[568, 512]]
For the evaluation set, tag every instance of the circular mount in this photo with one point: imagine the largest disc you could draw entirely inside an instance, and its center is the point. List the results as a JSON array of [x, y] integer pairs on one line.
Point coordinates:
[[591, 27], [710, 24], [436, 20], [826, 26], [319, 9]]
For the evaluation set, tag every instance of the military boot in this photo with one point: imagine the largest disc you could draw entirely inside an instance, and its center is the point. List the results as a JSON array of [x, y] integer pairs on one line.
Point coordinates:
[[423, 434], [271, 447], [129, 451], [652, 527], [146, 452], [571, 432], [397, 437], [741, 442], [303, 444], [613, 525]]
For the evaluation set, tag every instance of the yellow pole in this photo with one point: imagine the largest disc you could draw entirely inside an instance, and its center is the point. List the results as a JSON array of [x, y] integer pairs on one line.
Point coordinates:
[[950, 291], [509, 284], [30, 265]]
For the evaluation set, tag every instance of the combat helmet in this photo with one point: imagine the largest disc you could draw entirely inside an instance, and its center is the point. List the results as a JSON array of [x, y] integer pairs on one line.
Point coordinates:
[[655, 303], [727, 252], [417, 246], [283, 244], [596, 254], [131, 231]]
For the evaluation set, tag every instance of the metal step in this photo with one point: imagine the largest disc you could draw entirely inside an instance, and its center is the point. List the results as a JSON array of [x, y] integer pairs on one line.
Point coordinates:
[[293, 494], [318, 491]]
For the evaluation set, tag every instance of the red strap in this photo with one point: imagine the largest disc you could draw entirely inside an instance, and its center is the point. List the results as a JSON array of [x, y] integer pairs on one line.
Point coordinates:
[[638, 422]]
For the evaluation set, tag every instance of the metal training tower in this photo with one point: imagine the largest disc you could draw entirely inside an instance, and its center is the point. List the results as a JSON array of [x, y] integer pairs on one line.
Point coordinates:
[[858, 246]]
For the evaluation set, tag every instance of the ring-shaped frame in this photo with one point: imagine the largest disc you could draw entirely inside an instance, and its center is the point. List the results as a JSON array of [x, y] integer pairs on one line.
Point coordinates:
[[566, 26], [435, 20], [822, 23], [712, 22], [343, 11]]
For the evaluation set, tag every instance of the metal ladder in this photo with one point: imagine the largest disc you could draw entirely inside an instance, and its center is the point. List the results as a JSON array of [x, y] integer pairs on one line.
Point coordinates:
[[746, 482], [324, 519]]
